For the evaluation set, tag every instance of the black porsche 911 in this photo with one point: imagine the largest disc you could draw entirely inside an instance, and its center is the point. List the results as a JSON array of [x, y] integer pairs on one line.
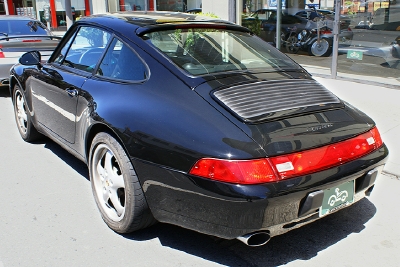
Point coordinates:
[[196, 122]]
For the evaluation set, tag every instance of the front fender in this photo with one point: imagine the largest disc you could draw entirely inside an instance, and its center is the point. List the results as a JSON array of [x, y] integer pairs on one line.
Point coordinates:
[[15, 77]]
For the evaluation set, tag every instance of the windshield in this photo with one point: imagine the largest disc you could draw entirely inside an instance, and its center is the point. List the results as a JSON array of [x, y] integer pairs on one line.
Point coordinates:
[[22, 27], [207, 51]]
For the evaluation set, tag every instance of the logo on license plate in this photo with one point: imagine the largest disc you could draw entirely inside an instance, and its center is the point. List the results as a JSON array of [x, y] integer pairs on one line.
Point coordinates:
[[337, 197], [340, 196]]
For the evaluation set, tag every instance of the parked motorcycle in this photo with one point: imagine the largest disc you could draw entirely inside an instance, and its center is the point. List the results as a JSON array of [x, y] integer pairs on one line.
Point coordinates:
[[316, 39]]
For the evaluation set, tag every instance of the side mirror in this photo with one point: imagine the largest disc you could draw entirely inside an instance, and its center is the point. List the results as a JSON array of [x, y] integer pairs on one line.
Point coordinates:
[[30, 58]]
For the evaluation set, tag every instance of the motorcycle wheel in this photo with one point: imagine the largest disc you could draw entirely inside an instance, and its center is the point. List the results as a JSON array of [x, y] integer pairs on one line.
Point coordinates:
[[321, 49], [291, 45], [283, 37]]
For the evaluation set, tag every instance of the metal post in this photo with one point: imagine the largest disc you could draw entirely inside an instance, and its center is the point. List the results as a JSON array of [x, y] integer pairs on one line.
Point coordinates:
[[278, 23], [232, 11], [239, 11], [6, 7], [68, 13], [336, 31]]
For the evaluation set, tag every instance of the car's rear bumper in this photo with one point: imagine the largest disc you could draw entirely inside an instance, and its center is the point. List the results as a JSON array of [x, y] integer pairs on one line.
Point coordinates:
[[230, 211]]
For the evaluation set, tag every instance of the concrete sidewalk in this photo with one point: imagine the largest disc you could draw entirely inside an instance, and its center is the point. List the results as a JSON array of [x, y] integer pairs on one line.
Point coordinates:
[[391, 82], [381, 104]]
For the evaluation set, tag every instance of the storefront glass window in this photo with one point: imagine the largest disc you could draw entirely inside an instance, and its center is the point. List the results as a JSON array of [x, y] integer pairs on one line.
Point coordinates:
[[374, 53], [126, 5], [369, 38], [167, 5]]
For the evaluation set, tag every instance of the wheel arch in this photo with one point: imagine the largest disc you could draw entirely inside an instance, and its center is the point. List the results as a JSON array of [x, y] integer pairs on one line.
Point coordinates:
[[93, 131], [14, 81]]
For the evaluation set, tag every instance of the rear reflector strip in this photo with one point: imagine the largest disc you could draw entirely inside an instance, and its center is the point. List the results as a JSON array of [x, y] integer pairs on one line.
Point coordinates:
[[287, 166]]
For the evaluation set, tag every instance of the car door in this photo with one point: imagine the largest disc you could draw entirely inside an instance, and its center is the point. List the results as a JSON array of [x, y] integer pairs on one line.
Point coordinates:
[[56, 88], [110, 93]]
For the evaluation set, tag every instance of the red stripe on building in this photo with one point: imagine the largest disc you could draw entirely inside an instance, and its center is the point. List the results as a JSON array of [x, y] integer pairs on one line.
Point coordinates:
[[53, 14]]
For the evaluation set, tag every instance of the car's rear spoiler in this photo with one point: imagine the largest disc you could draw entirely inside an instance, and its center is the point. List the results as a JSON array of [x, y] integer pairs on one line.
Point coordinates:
[[190, 24], [7, 38]]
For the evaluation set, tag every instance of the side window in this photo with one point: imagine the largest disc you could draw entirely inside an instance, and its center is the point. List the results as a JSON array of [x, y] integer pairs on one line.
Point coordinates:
[[262, 15], [85, 49], [272, 17], [121, 62], [60, 57]]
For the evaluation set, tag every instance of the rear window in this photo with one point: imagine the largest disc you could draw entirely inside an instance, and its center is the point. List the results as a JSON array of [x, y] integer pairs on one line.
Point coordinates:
[[23, 27], [207, 51]]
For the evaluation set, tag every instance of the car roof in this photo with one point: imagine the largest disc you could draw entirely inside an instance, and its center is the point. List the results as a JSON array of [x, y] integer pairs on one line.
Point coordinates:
[[15, 17]]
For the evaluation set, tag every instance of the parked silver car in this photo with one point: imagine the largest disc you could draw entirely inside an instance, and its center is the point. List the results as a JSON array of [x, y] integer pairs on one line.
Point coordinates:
[[19, 34]]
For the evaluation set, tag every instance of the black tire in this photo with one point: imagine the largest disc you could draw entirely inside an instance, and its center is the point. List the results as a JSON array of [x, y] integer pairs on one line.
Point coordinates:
[[283, 38], [292, 45], [323, 49], [23, 118], [116, 188]]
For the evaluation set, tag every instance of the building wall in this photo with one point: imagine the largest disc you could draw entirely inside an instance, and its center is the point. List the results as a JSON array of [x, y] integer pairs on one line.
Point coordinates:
[[60, 4], [219, 8], [98, 7], [193, 4]]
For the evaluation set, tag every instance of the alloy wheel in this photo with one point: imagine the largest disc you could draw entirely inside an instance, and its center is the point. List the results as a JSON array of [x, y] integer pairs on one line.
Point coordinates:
[[22, 116], [109, 183]]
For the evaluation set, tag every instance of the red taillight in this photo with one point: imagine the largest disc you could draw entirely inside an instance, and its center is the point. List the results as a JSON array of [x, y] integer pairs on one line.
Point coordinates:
[[2, 54], [377, 137], [235, 171], [31, 41], [326, 32], [287, 166], [322, 158]]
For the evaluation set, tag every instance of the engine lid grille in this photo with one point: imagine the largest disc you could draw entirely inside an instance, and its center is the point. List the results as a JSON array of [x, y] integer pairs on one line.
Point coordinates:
[[272, 99]]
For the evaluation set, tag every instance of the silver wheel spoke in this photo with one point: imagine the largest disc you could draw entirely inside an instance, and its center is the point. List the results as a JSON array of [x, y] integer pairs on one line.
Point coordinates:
[[21, 112], [116, 203], [117, 180], [108, 162], [106, 196], [100, 171]]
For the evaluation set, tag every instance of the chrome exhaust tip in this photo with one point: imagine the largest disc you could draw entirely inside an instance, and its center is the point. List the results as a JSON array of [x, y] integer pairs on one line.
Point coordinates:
[[255, 239]]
